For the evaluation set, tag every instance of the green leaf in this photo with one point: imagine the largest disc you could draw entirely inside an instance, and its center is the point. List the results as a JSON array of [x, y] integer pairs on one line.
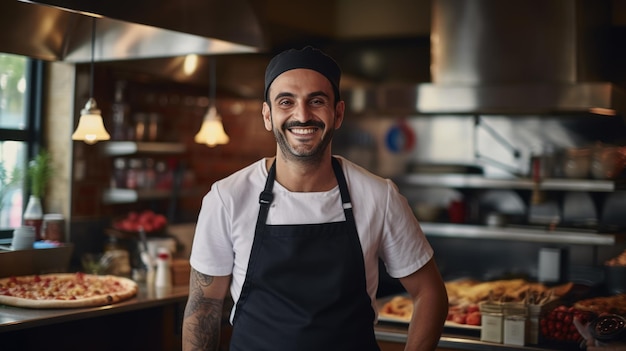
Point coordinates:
[[39, 173]]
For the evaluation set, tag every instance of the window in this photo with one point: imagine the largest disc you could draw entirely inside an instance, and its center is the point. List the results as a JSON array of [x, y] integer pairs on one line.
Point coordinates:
[[19, 133]]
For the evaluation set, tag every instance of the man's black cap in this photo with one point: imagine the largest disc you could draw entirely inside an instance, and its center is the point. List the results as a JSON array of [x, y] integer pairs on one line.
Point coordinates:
[[309, 58]]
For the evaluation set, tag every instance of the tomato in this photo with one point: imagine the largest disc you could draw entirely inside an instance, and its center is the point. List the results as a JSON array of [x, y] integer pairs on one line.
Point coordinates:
[[472, 308], [473, 318], [148, 220], [460, 318], [133, 216], [567, 319]]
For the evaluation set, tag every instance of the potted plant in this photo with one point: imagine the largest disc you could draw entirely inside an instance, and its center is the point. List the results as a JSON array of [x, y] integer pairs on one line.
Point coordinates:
[[38, 173]]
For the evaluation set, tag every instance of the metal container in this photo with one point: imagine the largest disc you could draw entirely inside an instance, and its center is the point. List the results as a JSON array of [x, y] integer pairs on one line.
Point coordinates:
[[492, 322]]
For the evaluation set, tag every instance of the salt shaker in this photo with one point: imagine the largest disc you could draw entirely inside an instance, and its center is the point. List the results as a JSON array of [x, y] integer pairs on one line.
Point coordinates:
[[163, 276]]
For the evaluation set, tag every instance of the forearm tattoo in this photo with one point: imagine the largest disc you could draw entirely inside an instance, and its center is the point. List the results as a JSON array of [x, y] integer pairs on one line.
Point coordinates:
[[202, 315]]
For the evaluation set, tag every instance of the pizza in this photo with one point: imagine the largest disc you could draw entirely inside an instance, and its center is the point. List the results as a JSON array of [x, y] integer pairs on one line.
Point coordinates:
[[468, 291], [465, 295], [398, 308], [65, 290], [603, 304]]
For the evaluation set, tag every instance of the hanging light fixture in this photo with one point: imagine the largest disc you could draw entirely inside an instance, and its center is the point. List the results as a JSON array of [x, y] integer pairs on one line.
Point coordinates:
[[90, 127], [212, 131]]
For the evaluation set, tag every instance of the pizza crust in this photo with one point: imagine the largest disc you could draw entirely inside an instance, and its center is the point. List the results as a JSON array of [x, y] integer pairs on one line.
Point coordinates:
[[65, 290]]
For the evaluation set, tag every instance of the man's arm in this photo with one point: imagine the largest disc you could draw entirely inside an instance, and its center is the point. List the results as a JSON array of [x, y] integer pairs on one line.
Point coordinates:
[[203, 312], [430, 307]]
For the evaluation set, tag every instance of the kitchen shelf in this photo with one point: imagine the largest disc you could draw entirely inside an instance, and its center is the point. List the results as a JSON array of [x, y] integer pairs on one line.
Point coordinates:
[[127, 148], [122, 196], [561, 236], [121, 148], [479, 181], [119, 196]]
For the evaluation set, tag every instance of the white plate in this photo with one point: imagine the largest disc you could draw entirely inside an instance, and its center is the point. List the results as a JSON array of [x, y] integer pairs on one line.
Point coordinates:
[[451, 324], [448, 324], [390, 318]]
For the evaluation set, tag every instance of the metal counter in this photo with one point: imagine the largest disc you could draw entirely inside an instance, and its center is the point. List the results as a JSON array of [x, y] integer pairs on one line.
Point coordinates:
[[459, 340]]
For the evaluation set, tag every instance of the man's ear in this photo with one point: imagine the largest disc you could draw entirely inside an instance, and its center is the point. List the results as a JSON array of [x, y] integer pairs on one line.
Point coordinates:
[[339, 113], [267, 116]]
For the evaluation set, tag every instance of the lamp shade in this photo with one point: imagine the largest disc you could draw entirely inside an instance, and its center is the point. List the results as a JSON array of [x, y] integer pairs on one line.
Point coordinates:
[[212, 131], [90, 127]]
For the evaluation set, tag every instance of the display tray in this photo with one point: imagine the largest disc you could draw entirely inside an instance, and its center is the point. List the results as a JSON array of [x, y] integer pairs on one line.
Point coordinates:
[[384, 317], [447, 324]]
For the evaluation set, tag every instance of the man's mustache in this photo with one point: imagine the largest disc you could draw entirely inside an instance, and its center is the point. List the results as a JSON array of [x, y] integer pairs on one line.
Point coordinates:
[[297, 124]]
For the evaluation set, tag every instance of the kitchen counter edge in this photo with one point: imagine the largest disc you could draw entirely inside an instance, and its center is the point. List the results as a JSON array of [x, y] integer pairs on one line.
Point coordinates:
[[16, 318]]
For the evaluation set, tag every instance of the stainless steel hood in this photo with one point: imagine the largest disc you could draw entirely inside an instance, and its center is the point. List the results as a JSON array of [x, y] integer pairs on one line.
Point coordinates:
[[60, 30], [511, 57]]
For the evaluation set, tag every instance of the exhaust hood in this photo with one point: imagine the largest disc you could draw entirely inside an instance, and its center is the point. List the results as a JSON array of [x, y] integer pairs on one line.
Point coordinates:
[[510, 57], [60, 30]]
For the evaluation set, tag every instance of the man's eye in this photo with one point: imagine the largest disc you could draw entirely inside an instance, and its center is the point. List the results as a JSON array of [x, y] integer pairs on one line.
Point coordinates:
[[284, 102]]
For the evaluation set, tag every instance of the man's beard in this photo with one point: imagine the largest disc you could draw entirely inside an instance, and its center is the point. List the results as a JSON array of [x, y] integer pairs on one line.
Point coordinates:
[[303, 153]]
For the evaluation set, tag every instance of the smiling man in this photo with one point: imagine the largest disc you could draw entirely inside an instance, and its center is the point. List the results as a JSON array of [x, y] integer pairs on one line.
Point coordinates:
[[296, 238]]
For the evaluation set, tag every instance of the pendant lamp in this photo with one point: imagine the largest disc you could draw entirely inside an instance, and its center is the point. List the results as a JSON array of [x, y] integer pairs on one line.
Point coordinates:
[[90, 127], [212, 131]]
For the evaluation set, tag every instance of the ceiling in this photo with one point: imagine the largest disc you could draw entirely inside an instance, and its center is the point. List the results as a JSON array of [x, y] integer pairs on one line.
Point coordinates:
[[373, 41]]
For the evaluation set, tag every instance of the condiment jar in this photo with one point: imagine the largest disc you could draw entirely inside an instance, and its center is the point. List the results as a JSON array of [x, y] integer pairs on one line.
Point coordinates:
[[607, 162], [163, 277], [491, 321], [576, 163], [33, 215], [53, 227], [514, 328]]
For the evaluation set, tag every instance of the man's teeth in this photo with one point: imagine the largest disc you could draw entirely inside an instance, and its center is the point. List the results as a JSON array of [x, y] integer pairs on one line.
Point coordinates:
[[303, 130]]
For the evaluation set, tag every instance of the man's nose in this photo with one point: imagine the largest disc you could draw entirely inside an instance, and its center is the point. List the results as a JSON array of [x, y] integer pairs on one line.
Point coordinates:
[[302, 112]]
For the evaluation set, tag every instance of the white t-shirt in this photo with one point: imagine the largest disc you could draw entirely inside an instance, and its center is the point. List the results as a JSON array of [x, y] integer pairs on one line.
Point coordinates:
[[385, 222]]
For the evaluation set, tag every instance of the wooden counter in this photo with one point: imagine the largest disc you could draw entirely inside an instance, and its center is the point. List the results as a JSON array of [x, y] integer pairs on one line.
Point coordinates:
[[149, 321]]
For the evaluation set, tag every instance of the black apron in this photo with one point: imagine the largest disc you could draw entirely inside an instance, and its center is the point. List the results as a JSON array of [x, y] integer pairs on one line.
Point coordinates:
[[305, 286]]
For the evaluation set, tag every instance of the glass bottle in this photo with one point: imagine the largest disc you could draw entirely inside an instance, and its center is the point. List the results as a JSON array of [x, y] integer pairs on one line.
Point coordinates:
[[149, 174], [33, 215], [119, 173], [121, 110]]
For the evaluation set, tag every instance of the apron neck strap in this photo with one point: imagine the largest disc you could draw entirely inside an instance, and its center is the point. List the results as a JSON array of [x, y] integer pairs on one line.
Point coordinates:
[[343, 185], [266, 197]]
